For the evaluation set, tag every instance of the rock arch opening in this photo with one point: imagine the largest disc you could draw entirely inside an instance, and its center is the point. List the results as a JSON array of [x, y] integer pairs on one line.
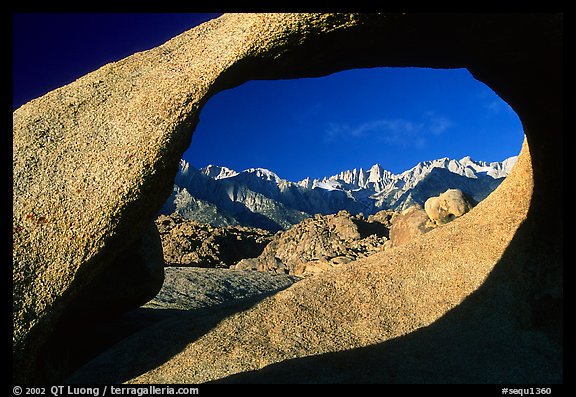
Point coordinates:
[[338, 132], [271, 154]]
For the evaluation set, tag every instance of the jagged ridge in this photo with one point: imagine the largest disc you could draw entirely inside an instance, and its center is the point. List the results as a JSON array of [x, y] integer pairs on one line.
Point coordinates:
[[258, 197]]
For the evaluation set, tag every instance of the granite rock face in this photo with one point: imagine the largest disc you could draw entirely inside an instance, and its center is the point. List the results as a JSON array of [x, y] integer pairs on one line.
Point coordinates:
[[94, 161]]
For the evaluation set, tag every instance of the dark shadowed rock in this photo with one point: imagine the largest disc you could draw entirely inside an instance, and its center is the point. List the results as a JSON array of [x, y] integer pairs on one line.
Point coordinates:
[[137, 279]]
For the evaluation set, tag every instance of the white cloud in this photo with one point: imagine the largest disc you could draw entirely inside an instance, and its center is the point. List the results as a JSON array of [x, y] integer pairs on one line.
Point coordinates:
[[396, 131], [437, 124]]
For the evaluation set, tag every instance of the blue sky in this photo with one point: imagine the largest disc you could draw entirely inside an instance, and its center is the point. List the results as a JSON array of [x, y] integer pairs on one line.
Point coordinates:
[[297, 128]]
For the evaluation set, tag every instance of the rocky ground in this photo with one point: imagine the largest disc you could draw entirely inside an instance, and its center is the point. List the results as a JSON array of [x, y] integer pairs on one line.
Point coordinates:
[[192, 288], [322, 242], [194, 300], [190, 243], [310, 247]]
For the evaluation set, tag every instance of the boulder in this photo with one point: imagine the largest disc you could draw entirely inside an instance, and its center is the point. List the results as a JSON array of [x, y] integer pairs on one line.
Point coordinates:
[[409, 224], [385, 217], [94, 161], [446, 207], [247, 264]]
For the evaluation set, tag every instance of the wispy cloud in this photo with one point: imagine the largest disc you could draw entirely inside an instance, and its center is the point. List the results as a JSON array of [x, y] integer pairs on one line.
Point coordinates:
[[437, 124], [384, 128], [392, 131]]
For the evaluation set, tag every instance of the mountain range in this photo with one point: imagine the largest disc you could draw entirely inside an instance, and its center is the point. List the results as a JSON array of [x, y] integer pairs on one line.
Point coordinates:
[[258, 197]]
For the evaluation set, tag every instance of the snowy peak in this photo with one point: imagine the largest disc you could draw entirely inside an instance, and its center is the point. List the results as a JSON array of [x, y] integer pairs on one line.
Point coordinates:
[[464, 167], [264, 174], [376, 173], [508, 164], [355, 179], [350, 177], [379, 175], [217, 172], [326, 184], [306, 183], [494, 169]]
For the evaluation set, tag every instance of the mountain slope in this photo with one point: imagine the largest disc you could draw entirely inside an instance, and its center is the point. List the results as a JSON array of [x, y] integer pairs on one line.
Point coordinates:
[[258, 197], [213, 196]]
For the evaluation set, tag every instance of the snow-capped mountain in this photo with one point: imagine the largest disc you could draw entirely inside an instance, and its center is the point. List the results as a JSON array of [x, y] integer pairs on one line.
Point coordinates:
[[258, 197]]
